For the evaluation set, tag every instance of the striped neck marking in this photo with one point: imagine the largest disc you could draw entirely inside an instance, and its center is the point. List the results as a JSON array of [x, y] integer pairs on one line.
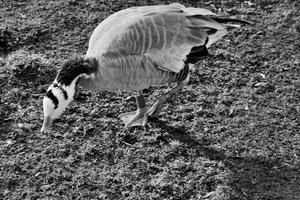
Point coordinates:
[[55, 85], [53, 98]]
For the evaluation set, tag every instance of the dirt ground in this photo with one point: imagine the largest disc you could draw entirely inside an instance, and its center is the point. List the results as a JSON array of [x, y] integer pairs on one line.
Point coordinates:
[[232, 133]]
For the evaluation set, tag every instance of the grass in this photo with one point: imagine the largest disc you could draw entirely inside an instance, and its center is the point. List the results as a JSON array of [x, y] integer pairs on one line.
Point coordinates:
[[232, 133]]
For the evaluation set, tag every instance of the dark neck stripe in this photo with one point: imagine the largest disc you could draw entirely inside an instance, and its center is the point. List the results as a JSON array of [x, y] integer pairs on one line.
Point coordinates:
[[62, 90], [53, 98]]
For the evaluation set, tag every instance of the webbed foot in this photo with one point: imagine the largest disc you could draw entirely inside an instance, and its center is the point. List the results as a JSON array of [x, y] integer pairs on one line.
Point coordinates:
[[135, 118]]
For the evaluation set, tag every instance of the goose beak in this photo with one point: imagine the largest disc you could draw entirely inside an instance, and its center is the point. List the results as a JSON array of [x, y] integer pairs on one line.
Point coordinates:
[[46, 125]]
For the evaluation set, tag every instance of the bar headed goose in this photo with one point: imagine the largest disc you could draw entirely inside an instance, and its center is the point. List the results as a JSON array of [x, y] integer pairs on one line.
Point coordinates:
[[136, 48]]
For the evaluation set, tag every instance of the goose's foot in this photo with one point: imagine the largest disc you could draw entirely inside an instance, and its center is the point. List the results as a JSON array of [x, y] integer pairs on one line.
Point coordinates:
[[135, 118], [158, 106], [138, 117]]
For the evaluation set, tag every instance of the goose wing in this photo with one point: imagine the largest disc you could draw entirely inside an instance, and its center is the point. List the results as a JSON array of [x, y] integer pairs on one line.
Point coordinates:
[[164, 34]]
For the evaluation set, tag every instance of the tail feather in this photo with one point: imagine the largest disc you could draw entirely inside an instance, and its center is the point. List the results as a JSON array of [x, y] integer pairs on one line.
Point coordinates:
[[197, 11], [196, 54], [227, 28], [203, 20], [226, 20], [214, 26]]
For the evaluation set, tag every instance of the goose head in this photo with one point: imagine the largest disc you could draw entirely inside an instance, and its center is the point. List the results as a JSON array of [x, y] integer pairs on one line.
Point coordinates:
[[61, 92]]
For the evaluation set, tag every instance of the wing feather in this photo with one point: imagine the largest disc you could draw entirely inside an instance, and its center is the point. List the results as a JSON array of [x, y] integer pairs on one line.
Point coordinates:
[[165, 34]]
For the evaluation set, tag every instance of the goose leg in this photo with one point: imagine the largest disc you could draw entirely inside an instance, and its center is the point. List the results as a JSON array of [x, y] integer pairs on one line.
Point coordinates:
[[159, 104], [138, 117]]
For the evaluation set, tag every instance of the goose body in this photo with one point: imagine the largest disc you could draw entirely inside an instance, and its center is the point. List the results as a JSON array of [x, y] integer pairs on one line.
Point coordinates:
[[136, 48], [142, 46], [128, 73]]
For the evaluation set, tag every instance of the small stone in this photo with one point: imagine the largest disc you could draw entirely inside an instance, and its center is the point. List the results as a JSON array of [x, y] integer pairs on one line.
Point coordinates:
[[9, 142]]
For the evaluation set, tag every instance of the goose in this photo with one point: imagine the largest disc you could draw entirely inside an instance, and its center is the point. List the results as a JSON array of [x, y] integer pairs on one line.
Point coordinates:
[[136, 48]]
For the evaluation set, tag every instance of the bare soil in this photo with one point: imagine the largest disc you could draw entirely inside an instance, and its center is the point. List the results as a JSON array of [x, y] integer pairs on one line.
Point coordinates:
[[232, 133]]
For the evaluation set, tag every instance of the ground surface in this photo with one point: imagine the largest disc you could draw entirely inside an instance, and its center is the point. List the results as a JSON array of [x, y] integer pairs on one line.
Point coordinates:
[[233, 133]]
